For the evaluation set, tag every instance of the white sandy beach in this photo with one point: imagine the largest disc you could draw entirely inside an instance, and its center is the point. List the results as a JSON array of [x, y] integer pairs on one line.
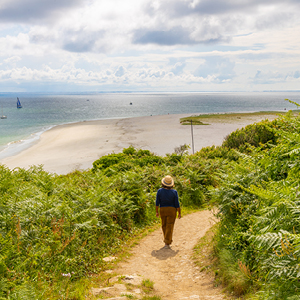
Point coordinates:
[[66, 148]]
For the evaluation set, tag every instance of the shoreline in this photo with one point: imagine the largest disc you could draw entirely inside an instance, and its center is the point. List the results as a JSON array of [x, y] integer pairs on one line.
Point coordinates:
[[18, 146], [15, 147], [75, 146]]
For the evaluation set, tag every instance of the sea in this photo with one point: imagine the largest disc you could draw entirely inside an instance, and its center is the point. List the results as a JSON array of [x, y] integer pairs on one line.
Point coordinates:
[[40, 112]]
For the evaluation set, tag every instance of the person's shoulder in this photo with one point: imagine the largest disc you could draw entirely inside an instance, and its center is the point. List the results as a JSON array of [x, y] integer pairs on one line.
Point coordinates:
[[174, 191]]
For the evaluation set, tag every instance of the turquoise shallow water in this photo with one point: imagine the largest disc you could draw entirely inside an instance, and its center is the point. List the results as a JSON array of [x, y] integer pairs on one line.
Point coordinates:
[[41, 112]]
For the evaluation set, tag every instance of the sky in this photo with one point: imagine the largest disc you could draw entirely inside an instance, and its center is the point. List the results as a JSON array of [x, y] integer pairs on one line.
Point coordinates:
[[149, 45]]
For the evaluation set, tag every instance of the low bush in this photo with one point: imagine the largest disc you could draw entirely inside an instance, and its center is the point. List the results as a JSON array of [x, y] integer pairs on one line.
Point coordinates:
[[219, 152], [254, 135]]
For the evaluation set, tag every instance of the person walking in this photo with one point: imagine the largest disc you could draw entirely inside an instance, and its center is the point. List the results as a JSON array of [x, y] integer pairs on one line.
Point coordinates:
[[167, 205]]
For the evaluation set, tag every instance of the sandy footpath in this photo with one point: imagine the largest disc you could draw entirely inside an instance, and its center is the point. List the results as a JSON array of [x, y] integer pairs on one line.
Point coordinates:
[[173, 271], [70, 147], [174, 274]]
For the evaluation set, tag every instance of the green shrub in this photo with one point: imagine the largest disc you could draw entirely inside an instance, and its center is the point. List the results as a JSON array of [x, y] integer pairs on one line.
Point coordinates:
[[107, 161], [254, 135], [142, 152], [126, 160], [173, 159], [213, 152], [129, 151]]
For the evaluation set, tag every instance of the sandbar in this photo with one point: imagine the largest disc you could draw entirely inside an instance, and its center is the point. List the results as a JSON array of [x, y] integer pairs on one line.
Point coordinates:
[[66, 148]]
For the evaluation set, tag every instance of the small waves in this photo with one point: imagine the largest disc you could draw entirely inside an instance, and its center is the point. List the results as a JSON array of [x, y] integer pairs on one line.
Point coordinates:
[[15, 147]]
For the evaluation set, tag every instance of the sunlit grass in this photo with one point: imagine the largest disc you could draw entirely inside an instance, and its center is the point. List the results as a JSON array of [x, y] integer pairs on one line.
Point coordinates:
[[204, 119]]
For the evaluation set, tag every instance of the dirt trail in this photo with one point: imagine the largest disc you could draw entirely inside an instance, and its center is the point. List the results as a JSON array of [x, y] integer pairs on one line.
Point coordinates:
[[174, 274]]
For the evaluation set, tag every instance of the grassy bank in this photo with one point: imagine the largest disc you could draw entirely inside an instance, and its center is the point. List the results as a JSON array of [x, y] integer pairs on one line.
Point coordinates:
[[206, 119]]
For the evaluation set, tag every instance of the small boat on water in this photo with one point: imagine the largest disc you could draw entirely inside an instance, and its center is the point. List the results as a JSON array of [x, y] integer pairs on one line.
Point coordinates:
[[18, 103], [2, 116]]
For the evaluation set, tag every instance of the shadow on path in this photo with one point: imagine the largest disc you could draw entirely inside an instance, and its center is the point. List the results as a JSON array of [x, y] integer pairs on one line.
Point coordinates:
[[164, 254]]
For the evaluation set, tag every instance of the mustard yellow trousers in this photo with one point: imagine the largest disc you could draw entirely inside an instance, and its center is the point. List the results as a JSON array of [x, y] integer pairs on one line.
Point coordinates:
[[168, 217]]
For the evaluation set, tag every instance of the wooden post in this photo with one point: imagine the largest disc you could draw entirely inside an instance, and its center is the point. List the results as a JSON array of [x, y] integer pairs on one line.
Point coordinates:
[[192, 136]]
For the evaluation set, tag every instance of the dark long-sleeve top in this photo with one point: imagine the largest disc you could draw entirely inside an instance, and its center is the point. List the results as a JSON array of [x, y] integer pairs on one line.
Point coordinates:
[[167, 198]]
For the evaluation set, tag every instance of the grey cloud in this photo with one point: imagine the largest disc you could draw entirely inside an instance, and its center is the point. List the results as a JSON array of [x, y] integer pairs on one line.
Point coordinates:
[[85, 46], [82, 41], [214, 21], [221, 67], [27, 11], [174, 36], [178, 8]]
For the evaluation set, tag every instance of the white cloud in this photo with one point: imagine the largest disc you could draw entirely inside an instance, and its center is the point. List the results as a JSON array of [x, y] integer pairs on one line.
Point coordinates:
[[12, 59], [157, 45]]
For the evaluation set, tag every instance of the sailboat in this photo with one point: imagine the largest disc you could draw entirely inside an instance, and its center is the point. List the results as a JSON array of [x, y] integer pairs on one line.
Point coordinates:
[[2, 116], [18, 103]]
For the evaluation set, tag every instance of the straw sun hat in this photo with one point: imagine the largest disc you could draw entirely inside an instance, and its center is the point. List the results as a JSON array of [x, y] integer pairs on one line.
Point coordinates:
[[168, 181]]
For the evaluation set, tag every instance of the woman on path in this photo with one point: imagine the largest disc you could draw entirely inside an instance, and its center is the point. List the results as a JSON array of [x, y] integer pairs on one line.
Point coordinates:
[[167, 206]]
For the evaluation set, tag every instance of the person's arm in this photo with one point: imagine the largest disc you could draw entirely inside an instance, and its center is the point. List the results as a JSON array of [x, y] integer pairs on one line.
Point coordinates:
[[157, 202], [179, 212], [177, 205], [157, 212]]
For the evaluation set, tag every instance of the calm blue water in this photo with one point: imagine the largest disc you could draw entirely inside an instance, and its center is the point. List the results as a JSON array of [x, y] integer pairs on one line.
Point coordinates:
[[41, 112]]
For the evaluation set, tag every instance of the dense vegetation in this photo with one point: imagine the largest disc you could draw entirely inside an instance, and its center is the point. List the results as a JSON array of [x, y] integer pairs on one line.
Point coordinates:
[[56, 230], [258, 242]]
